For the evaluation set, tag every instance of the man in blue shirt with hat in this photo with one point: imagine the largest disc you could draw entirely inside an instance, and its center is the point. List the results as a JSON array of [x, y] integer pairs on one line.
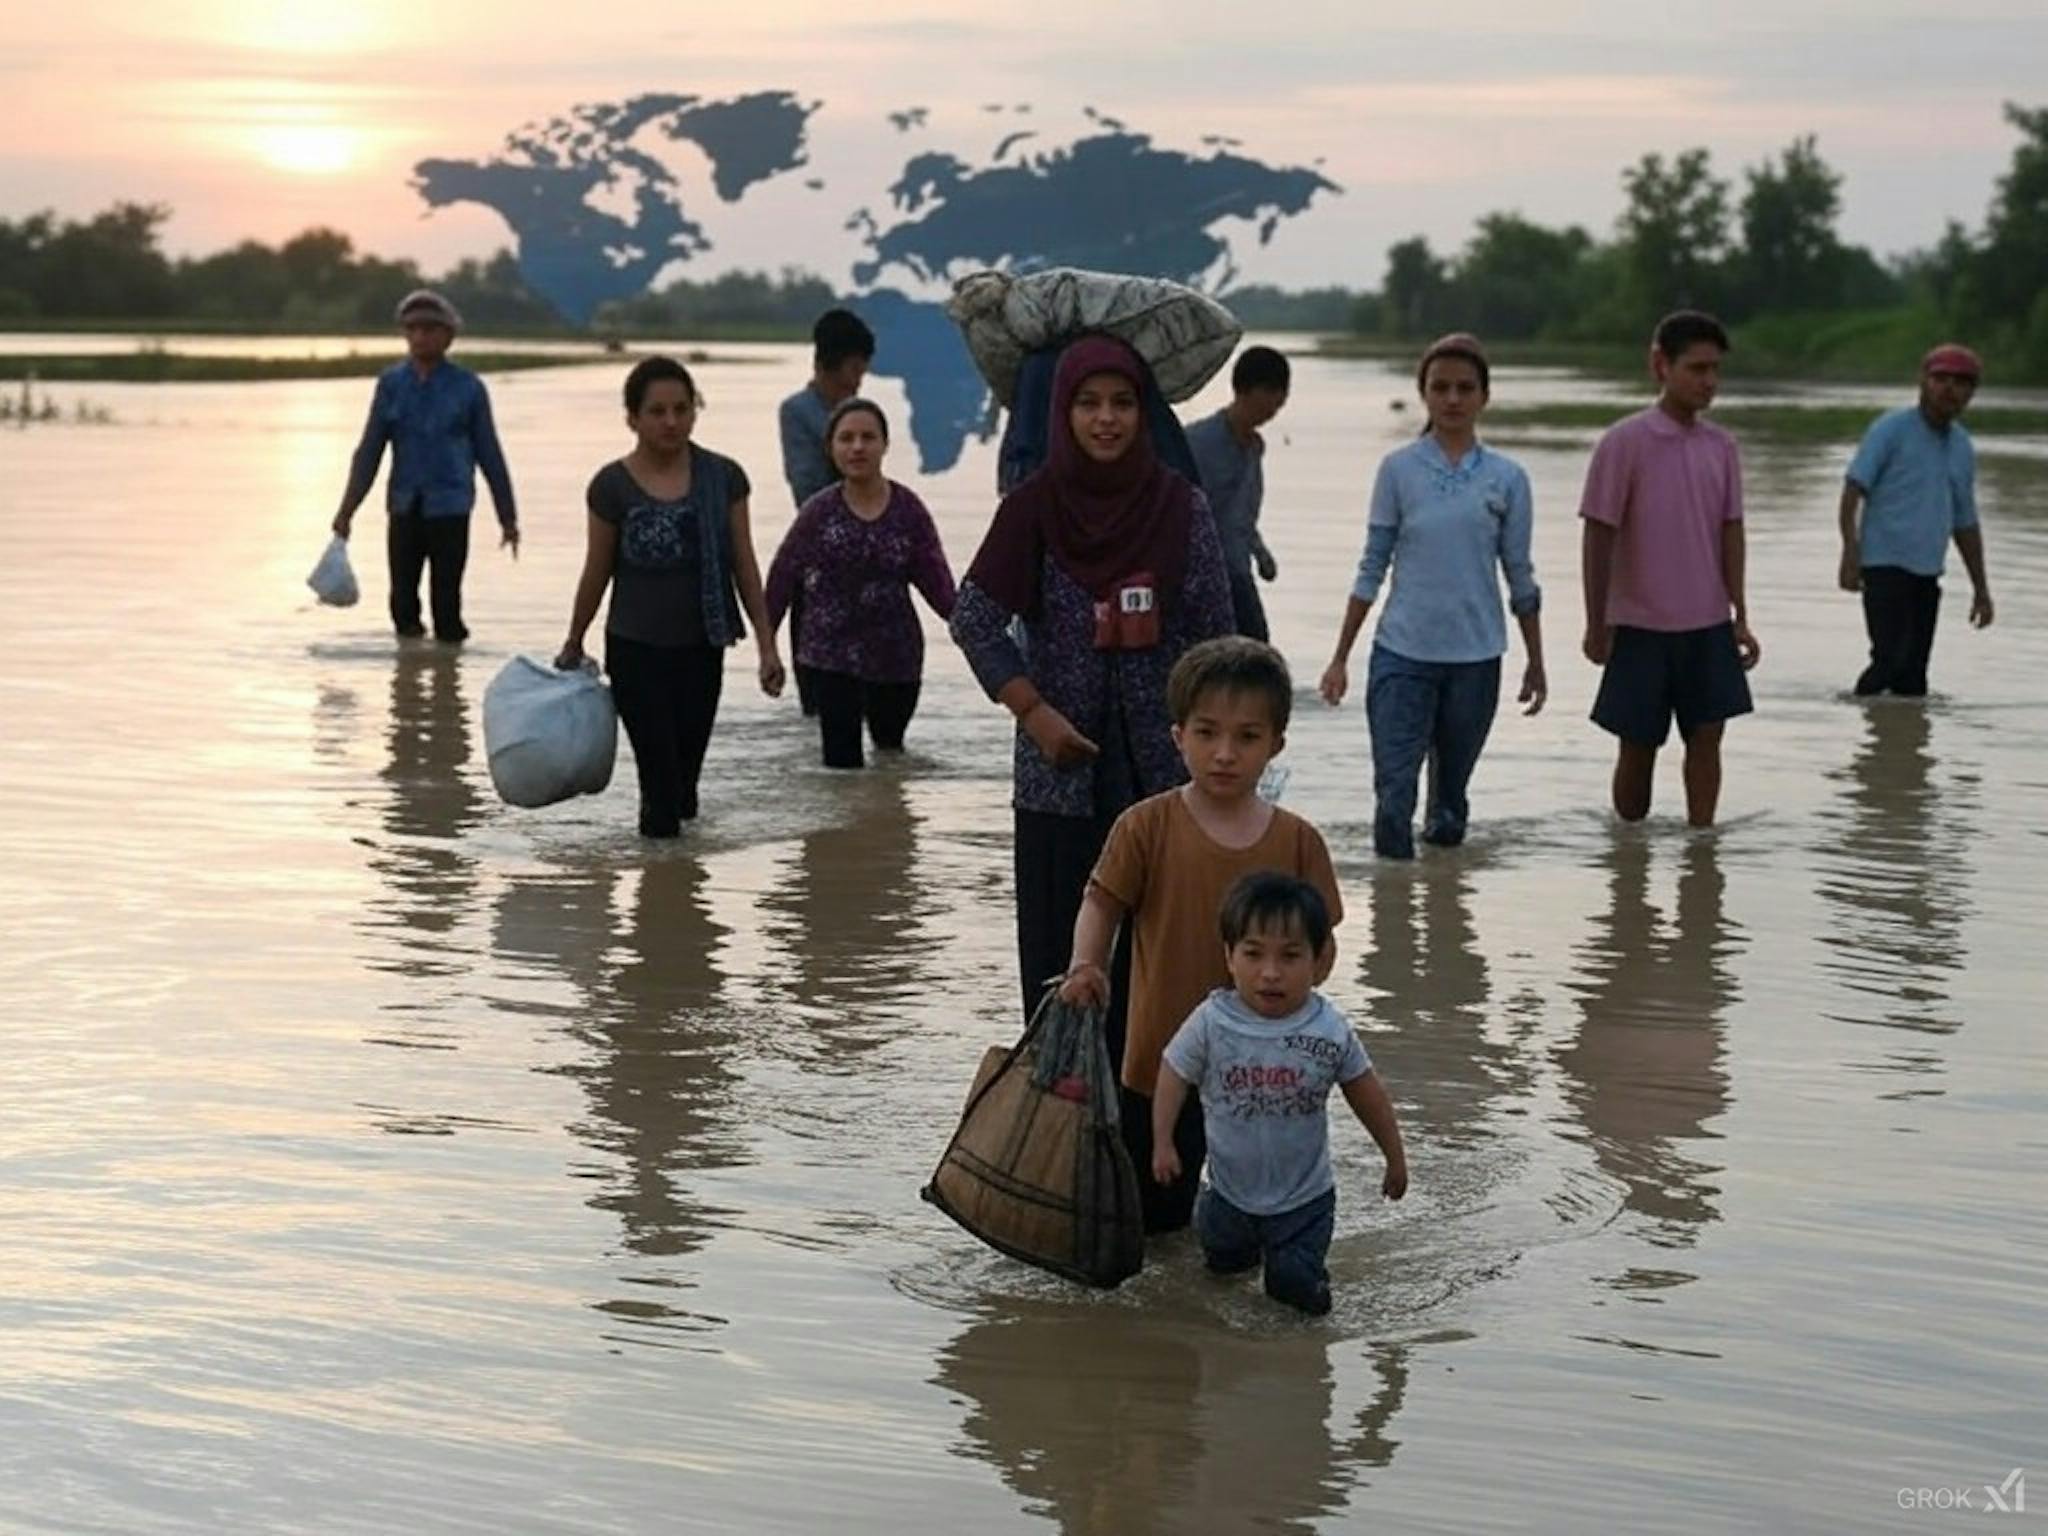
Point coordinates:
[[1914, 482], [437, 418]]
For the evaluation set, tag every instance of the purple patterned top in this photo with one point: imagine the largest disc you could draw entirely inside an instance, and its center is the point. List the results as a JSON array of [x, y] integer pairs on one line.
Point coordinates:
[[856, 580], [1082, 682]]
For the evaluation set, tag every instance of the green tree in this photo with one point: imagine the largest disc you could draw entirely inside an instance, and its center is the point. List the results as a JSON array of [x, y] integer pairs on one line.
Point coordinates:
[[493, 295], [1415, 288], [1674, 230], [244, 283], [1515, 278], [1935, 276], [2011, 267], [320, 265], [109, 267], [1791, 257]]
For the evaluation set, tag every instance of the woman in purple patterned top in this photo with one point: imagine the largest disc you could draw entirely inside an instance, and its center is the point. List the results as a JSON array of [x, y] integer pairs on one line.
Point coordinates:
[[854, 552], [1112, 562]]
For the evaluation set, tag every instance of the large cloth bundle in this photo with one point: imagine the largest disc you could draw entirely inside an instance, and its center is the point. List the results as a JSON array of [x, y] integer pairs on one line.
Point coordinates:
[[1038, 1168], [1182, 335], [550, 735]]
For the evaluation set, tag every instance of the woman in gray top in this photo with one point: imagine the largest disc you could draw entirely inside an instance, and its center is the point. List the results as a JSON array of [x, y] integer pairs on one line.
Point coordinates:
[[668, 533]]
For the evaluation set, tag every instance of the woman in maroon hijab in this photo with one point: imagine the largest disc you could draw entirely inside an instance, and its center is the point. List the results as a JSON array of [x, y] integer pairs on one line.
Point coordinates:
[[1112, 562]]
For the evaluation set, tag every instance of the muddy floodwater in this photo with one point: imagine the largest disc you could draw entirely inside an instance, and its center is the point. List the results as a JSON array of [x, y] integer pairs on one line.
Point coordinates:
[[376, 1157]]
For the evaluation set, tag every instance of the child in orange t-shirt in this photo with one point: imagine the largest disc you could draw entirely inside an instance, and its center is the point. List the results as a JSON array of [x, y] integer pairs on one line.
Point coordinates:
[[1167, 866]]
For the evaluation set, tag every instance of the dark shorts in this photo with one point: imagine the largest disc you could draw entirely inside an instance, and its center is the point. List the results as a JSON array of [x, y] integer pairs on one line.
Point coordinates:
[[1652, 674]]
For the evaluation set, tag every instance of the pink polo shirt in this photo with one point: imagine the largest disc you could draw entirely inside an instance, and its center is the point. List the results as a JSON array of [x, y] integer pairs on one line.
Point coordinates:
[[1666, 490]]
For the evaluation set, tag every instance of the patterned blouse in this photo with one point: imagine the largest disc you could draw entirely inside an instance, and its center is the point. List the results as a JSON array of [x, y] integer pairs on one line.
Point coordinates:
[[856, 578], [1117, 699]]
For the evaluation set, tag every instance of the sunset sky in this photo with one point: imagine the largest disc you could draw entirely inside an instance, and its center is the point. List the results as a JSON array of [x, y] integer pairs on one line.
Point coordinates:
[[259, 119]]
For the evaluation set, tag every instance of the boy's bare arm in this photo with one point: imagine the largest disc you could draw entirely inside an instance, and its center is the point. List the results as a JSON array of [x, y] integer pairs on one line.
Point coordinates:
[[1850, 577], [1596, 574], [1087, 978], [1970, 543], [1734, 570], [1168, 1094], [1368, 1099]]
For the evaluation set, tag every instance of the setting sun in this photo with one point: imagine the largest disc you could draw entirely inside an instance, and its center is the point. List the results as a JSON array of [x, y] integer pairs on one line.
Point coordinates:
[[306, 149]]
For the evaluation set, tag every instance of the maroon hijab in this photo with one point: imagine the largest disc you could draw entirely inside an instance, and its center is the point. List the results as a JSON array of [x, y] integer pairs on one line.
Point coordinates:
[[1099, 522]]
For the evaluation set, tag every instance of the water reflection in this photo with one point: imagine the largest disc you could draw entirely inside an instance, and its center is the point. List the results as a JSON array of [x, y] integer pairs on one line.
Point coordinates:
[[1645, 1073], [428, 804], [657, 1066], [1148, 1427], [640, 950], [336, 723], [1894, 876], [845, 920], [1425, 962]]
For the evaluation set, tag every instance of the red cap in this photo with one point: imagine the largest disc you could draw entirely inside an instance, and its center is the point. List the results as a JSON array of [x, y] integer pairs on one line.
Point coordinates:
[[1953, 357]]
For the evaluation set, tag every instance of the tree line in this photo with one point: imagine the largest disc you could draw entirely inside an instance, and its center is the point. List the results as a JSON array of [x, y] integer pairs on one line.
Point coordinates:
[[112, 269], [1768, 253]]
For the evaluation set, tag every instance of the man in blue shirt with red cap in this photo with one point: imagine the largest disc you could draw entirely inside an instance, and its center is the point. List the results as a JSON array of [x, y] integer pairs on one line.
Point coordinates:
[[437, 418], [1914, 483]]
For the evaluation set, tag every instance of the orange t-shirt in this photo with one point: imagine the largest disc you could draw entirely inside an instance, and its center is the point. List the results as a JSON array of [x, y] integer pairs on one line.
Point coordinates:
[[1171, 877]]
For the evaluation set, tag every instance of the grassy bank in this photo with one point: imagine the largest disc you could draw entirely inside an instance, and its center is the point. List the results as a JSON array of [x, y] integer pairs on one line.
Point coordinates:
[[1779, 419], [1846, 346], [154, 365], [712, 331]]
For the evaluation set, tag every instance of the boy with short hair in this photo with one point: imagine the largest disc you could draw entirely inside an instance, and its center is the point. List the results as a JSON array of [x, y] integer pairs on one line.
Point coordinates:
[[1230, 455], [1663, 557], [1167, 865], [1914, 482], [1264, 1053], [842, 347]]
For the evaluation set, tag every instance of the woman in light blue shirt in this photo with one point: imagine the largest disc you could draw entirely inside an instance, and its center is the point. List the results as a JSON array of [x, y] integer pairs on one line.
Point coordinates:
[[1450, 516]]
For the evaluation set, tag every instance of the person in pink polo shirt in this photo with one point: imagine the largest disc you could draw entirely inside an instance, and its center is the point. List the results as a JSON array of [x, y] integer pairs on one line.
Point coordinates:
[[1663, 568]]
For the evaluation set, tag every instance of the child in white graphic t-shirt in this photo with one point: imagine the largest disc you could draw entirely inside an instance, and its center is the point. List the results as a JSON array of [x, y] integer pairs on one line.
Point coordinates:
[[1264, 1054]]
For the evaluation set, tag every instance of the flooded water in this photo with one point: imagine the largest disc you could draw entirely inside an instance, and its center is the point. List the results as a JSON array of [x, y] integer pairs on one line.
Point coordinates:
[[378, 1157]]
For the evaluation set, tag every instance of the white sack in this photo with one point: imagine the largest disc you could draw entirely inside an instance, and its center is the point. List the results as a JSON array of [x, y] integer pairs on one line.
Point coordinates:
[[333, 579], [550, 735]]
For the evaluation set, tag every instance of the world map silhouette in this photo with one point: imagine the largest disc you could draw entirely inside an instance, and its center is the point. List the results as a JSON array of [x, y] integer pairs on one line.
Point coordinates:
[[597, 213]]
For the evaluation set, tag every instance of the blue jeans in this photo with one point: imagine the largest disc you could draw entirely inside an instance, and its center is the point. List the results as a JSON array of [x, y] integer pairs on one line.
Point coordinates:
[[1416, 710], [1293, 1245]]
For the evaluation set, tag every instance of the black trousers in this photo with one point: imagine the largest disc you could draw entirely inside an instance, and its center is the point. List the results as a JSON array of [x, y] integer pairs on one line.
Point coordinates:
[[1247, 609], [668, 699], [845, 702], [806, 677], [1899, 610], [441, 545]]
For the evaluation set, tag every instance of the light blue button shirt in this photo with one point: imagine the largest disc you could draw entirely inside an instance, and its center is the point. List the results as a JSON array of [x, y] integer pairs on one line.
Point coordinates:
[[1234, 479], [1919, 486], [806, 463], [1449, 532]]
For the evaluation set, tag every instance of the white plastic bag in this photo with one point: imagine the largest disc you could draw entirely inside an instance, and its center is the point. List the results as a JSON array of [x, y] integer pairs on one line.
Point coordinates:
[[550, 735], [334, 579], [1182, 335]]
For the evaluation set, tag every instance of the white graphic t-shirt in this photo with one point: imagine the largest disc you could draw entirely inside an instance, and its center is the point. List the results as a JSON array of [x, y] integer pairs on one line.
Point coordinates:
[[1265, 1086]]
